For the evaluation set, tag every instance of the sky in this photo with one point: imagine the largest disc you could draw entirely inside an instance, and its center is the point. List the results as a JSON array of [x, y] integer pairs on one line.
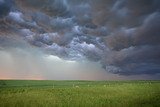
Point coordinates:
[[80, 39]]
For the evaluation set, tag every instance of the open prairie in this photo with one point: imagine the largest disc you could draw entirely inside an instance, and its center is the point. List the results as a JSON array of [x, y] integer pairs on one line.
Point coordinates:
[[48, 93]]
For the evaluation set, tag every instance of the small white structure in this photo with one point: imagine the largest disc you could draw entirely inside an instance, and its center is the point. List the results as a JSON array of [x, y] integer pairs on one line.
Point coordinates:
[[77, 86]]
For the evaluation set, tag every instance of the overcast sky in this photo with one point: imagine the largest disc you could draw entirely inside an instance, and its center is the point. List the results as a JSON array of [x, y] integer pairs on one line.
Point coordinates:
[[80, 39]]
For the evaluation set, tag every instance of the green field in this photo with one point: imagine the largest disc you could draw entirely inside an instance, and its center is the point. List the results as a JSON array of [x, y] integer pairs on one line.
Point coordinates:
[[48, 93]]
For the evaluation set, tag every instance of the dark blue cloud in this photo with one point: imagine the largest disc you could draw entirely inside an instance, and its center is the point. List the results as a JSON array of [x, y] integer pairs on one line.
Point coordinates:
[[5, 7]]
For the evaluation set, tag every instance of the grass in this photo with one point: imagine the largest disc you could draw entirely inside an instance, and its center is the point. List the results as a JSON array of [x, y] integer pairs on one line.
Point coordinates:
[[48, 93]]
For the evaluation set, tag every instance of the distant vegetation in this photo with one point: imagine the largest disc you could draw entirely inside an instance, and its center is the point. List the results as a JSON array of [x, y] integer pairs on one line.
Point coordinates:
[[30, 93]]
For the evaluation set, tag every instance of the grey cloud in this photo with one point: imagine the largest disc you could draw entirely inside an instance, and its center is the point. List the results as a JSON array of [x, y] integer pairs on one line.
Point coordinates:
[[57, 50], [149, 32], [120, 13], [5, 7], [62, 23], [16, 16], [116, 33], [120, 39], [41, 20], [134, 60], [11, 40], [50, 7], [78, 49], [146, 34], [113, 69]]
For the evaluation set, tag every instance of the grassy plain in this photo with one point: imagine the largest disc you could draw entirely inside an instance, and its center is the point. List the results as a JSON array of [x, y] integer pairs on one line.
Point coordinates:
[[48, 93]]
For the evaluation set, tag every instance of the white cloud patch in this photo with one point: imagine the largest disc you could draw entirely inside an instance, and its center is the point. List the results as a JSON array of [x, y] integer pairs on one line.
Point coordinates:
[[16, 16]]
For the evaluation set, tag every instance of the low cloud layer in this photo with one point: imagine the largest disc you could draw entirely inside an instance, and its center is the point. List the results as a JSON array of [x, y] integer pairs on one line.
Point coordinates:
[[122, 35]]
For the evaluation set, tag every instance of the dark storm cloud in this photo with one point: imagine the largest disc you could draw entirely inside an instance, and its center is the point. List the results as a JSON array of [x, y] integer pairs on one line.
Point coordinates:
[[123, 35], [122, 13], [149, 32], [133, 59], [146, 34], [5, 7], [50, 7]]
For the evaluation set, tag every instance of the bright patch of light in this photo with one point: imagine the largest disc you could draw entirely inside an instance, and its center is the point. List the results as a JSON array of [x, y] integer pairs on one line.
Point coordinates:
[[70, 61], [55, 58]]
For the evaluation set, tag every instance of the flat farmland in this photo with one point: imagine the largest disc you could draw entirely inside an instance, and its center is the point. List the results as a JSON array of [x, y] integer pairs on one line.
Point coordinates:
[[51, 93]]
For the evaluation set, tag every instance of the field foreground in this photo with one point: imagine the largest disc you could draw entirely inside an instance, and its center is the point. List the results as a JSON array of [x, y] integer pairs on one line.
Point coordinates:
[[48, 93]]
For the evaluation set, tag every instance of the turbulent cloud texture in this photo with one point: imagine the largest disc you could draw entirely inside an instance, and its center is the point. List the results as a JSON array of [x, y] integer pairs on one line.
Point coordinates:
[[122, 35]]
